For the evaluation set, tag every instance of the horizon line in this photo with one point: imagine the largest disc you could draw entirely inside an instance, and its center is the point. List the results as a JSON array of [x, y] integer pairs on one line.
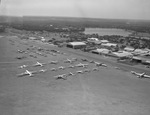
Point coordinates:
[[75, 17]]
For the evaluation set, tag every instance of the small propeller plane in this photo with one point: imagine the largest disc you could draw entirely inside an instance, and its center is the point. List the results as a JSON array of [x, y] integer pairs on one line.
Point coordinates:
[[92, 61], [27, 72], [100, 64], [70, 73], [22, 66], [39, 64], [71, 66], [53, 69], [140, 75], [74, 59], [68, 61], [84, 59], [86, 70], [61, 67], [80, 71], [53, 62], [42, 70], [95, 69], [81, 65], [63, 76]]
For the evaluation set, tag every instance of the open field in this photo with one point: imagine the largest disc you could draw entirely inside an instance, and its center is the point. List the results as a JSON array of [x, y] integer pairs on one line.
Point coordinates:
[[108, 91]]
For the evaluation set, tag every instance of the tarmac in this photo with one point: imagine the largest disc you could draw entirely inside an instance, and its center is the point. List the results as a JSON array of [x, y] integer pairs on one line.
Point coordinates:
[[108, 91]]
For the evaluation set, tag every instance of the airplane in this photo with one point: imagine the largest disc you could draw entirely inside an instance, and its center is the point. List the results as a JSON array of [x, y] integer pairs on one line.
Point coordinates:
[[39, 64], [117, 68], [53, 62], [95, 69], [22, 66], [30, 73], [71, 66], [53, 69], [100, 64], [54, 54], [79, 71], [81, 65], [43, 70], [61, 67], [20, 51], [86, 70], [74, 59], [70, 73], [68, 61], [92, 61], [63, 76], [140, 75], [84, 59]]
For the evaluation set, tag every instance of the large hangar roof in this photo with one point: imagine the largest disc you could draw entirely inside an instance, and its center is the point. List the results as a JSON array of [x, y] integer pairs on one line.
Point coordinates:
[[77, 43]]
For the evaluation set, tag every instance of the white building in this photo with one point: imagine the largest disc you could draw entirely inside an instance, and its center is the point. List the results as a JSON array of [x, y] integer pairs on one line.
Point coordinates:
[[104, 41], [92, 39], [76, 45], [129, 49], [122, 54], [109, 44], [101, 51]]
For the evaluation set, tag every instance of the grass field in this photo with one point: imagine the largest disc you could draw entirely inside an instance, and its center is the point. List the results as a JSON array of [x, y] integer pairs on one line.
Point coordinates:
[[108, 91]]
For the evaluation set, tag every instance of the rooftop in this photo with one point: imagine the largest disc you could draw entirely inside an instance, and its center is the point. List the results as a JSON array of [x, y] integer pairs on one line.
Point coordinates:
[[77, 43]]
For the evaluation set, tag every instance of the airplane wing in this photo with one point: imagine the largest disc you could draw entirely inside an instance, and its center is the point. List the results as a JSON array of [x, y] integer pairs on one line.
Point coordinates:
[[146, 76], [30, 73]]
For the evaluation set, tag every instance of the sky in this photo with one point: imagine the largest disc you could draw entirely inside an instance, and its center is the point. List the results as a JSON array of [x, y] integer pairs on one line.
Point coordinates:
[[113, 9]]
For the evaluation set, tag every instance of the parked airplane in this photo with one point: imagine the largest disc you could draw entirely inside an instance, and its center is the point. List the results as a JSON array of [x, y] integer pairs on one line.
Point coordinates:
[[79, 71], [20, 51], [81, 65], [22, 66], [74, 59], [95, 69], [140, 75], [87, 70], [70, 73], [43, 70], [100, 64], [61, 67], [63, 76], [53, 69], [30, 73], [53, 62], [92, 61], [71, 66], [68, 61], [84, 59], [39, 64]]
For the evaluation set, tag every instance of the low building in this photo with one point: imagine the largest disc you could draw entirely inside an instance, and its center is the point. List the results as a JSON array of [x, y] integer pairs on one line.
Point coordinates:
[[141, 59], [101, 51], [129, 49], [137, 59], [122, 54], [104, 41], [76, 45], [146, 62], [109, 44], [140, 52], [92, 39]]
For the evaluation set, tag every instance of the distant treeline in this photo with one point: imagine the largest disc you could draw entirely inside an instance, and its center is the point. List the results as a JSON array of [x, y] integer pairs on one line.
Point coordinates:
[[75, 24]]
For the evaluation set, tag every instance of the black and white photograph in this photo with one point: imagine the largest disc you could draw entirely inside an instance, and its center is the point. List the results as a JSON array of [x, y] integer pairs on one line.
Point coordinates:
[[74, 57]]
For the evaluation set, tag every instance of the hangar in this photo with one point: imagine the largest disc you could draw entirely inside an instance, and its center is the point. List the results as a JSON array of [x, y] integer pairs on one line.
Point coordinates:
[[76, 45]]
